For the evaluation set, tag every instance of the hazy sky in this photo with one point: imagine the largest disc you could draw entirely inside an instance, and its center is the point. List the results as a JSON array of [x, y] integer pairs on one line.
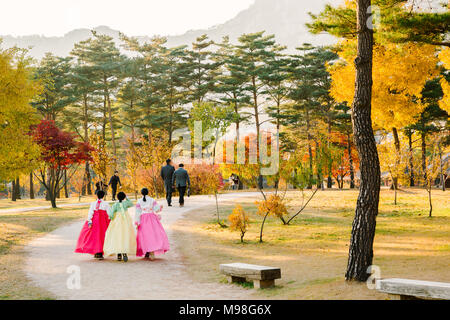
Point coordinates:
[[133, 17]]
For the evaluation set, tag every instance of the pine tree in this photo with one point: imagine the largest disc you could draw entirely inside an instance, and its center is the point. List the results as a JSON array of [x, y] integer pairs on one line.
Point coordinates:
[[53, 73], [202, 69], [104, 58], [230, 84], [252, 55]]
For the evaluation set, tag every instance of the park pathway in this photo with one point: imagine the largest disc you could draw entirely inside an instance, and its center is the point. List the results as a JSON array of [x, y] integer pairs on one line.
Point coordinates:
[[49, 257]]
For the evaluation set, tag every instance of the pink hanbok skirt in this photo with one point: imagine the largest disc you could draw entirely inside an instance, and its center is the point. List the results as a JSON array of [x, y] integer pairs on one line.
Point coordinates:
[[91, 239], [151, 236]]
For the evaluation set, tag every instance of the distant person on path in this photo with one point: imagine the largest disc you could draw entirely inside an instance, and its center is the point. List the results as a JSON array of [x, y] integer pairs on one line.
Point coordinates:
[[181, 180], [113, 182], [100, 186], [167, 175], [92, 236], [151, 238]]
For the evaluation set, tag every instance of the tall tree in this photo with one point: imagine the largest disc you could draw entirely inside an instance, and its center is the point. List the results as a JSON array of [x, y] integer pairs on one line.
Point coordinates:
[[364, 224], [253, 52], [202, 69], [17, 89], [53, 73], [230, 84], [105, 60]]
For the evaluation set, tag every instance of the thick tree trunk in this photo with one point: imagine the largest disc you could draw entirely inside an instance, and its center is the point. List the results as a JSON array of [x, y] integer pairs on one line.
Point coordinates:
[[352, 169], [31, 186], [17, 189], [364, 224], [13, 190]]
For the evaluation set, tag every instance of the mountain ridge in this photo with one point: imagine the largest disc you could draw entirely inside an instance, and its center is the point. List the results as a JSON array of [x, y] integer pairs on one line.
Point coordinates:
[[284, 18]]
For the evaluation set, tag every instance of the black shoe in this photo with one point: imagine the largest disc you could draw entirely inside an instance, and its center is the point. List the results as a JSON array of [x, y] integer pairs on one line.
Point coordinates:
[[101, 257], [170, 205], [147, 255], [125, 257], [119, 257]]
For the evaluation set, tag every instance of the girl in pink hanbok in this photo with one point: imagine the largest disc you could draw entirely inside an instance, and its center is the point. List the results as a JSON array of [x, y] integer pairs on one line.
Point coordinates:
[[92, 235], [151, 238]]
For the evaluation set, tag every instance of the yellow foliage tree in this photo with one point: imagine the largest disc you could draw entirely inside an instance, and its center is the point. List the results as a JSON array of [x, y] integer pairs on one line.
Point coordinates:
[[17, 150], [270, 206], [445, 102], [399, 74], [392, 162], [152, 154], [239, 221]]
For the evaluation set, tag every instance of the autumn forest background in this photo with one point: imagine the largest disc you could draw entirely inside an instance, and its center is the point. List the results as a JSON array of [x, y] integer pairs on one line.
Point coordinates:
[[68, 122]]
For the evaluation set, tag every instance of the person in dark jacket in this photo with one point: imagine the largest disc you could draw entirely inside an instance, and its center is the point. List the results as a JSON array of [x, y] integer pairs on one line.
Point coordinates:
[[167, 174], [113, 182], [181, 180]]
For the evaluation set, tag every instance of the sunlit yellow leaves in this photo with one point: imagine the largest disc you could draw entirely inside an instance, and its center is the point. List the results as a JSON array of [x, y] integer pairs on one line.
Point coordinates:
[[239, 220], [17, 151], [444, 56], [273, 205], [399, 74]]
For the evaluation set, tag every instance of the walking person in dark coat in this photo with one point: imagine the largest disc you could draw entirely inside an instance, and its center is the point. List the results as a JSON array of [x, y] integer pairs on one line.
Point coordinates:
[[113, 182], [167, 174], [181, 180]]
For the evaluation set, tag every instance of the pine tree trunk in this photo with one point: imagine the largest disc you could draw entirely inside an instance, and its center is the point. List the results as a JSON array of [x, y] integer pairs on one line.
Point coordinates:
[[364, 224], [352, 169], [111, 124], [31, 186]]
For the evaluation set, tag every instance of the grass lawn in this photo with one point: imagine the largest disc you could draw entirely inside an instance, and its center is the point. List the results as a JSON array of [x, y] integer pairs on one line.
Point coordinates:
[[16, 230], [27, 203], [312, 252]]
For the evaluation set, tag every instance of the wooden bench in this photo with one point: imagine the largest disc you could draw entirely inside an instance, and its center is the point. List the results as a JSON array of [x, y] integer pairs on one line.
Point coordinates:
[[262, 277], [404, 289]]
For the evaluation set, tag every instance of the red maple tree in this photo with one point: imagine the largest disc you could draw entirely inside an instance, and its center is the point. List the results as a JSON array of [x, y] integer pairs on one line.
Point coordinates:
[[59, 152]]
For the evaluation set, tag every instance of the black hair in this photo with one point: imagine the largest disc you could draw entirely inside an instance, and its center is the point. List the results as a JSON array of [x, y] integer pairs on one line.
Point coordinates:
[[181, 165], [168, 161], [116, 171], [144, 192], [100, 194], [121, 196]]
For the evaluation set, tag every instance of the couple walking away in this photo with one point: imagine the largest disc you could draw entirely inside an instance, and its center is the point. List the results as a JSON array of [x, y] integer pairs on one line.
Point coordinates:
[[109, 229], [178, 178]]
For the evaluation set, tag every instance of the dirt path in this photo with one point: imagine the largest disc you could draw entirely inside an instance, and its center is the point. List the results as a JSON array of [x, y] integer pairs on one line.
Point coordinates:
[[50, 257]]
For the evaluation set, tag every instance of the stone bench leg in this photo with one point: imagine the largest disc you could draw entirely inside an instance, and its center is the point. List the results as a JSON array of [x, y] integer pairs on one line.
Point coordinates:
[[233, 279], [263, 284]]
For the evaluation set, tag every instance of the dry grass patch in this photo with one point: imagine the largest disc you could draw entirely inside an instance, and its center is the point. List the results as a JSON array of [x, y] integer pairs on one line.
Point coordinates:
[[28, 203], [16, 230], [312, 252]]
